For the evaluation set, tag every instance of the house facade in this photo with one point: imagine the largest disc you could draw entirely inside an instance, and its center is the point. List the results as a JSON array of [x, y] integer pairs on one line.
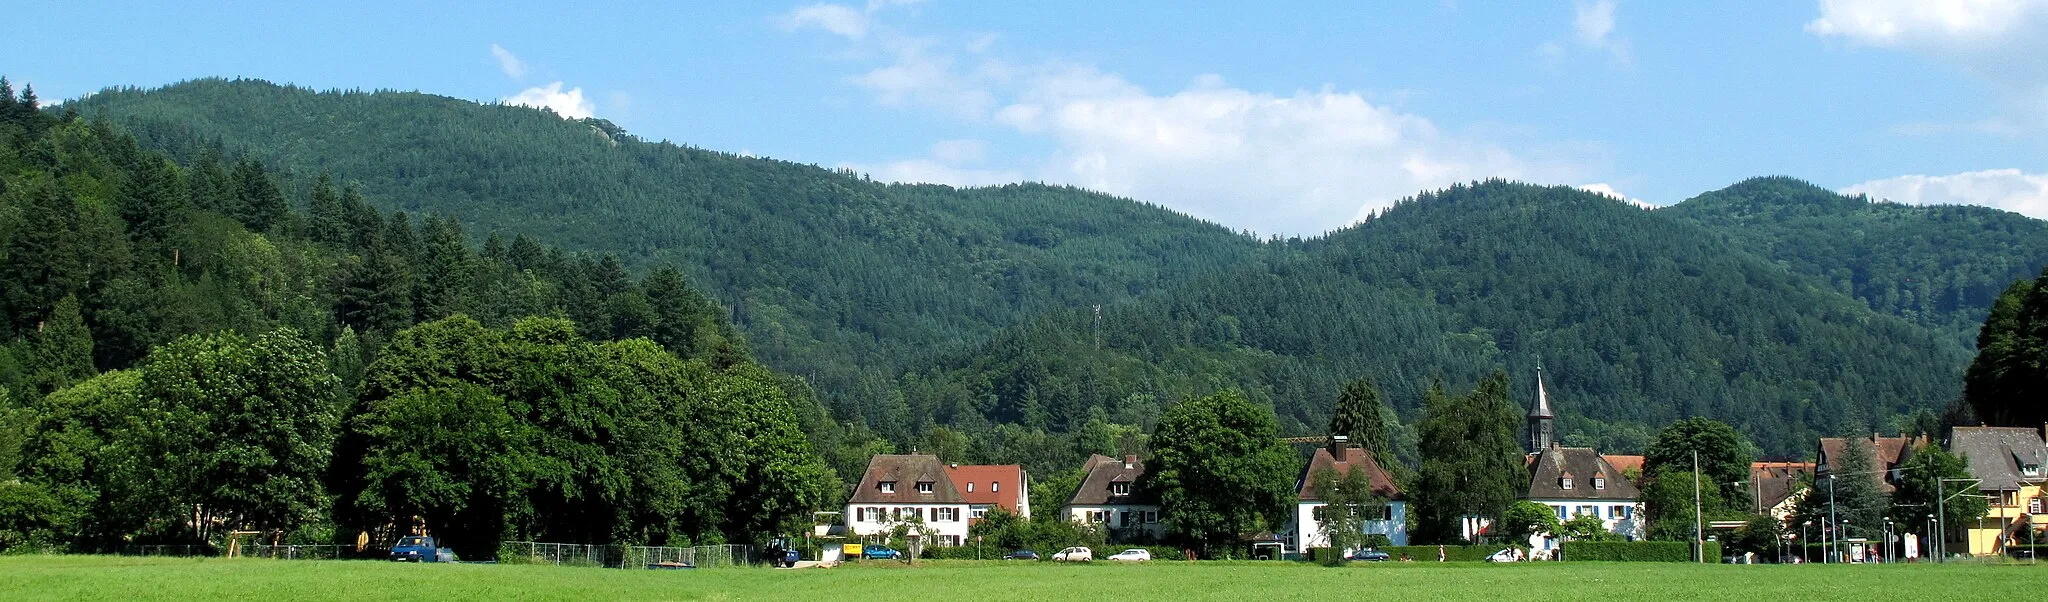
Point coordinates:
[[987, 487], [1577, 481], [1775, 488], [1305, 530], [908, 488], [1112, 497], [2009, 465]]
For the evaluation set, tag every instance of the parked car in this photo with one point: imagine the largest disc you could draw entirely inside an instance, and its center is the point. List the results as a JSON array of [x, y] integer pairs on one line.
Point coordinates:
[[879, 552], [420, 548], [1506, 555], [1074, 554], [1132, 555], [1021, 555], [1370, 555]]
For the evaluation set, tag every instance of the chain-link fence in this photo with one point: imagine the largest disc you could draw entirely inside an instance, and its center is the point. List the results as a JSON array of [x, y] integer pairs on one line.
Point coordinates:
[[292, 552], [657, 557], [571, 554]]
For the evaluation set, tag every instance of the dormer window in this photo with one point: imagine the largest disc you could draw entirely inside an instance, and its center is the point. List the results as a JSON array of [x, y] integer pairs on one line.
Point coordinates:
[[888, 487], [994, 486], [924, 486], [1120, 488], [1564, 482], [2032, 470], [1599, 481], [970, 486]]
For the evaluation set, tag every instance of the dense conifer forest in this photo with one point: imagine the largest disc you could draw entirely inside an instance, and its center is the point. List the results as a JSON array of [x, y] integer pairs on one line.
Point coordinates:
[[1038, 324]]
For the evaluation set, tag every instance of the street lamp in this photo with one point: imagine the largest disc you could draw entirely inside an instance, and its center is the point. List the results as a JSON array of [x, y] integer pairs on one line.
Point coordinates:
[[1887, 555], [1931, 541], [1838, 538], [1805, 542]]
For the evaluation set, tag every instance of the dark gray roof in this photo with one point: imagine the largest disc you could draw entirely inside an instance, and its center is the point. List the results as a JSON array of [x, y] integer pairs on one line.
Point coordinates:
[[1886, 454], [1772, 482], [1996, 453], [1103, 471], [906, 471], [1549, 467]]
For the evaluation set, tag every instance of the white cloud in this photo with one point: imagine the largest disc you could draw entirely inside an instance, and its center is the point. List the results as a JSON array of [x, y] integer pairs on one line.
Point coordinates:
[[1592, 21], [2008, 189], [846, 22], [569, 104], [508, 62], [1296, 163], [1606, 190], [1951, 23]]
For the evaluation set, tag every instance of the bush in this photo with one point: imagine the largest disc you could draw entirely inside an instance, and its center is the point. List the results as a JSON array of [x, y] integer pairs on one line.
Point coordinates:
[[1637, 551], [970, 552], [1451, 553], [1158, 552], [1326, 556]]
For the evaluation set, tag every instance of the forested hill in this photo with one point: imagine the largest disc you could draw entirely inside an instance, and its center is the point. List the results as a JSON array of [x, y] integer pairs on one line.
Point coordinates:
[[1637, 319], [963, 321], [832, 276], [1939, 266]]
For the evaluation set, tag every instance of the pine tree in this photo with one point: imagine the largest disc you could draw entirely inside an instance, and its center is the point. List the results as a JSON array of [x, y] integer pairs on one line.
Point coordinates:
[[1361, 416], [2006, 382], [258, 202], [154, 201], [329, 218], [61, 353]]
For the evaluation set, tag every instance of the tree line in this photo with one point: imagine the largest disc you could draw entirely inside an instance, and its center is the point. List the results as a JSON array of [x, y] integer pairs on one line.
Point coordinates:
[[189, 350]]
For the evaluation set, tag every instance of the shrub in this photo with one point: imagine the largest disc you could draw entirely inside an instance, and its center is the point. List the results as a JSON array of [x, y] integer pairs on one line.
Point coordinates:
[[1451, 553], [1637, 551], [1326, 556]]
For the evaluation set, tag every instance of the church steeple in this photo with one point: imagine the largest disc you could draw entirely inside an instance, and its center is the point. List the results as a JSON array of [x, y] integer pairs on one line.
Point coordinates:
[[1541, 433]]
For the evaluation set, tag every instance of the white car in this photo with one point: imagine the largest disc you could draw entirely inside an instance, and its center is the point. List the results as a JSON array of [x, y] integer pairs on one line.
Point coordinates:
[[1074, 554], [1507, 555], [1132, 555]]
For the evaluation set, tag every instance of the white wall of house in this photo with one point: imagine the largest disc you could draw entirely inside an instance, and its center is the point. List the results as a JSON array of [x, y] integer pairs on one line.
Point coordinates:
[[1120, 516], [1620, 517], [946, 528], [1308, 532]]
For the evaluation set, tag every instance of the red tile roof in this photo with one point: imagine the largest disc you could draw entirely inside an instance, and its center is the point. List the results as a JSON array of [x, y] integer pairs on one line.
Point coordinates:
[[989, 484], [1354, 459]]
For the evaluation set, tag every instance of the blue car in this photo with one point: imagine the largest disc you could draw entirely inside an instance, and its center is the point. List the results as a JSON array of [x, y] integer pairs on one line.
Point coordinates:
[[1021, 555], [1370, 555], [419, 548], [875, 552]]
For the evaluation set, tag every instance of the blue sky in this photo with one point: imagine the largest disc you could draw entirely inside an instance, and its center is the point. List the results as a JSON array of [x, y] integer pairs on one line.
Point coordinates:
[[1278, 117]]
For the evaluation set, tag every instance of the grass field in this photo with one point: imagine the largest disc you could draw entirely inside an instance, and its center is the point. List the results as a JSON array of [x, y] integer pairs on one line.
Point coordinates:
[[129, 578]]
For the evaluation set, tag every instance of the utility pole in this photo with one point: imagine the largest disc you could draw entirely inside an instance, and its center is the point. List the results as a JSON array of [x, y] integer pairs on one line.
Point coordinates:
[[1941, 511], [1832, 533], [1699, 522]]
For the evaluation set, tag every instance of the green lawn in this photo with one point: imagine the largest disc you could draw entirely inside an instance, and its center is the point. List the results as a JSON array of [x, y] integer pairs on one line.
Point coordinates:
[[128, 579]]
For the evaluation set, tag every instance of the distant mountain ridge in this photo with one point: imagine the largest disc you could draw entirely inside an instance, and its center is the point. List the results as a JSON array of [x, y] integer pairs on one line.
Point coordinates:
[[1773, 304]]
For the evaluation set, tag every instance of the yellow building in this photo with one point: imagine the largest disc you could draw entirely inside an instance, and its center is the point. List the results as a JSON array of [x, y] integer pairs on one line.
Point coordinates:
[[2007, 461]]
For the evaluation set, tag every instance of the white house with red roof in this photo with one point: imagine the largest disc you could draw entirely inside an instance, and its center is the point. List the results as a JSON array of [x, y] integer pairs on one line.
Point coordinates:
[[987, 487], [1307, 528], [905, 488]]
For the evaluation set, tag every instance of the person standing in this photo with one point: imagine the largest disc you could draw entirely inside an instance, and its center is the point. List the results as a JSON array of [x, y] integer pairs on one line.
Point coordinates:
[[1439, 552]]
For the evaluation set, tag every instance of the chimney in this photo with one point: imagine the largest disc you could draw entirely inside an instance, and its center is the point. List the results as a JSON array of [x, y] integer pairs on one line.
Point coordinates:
[[1130, 461], [1338, 445]]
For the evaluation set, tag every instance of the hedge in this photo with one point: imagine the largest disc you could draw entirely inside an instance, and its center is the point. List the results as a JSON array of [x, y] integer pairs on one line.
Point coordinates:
[[1637, 551], [1451, 553]]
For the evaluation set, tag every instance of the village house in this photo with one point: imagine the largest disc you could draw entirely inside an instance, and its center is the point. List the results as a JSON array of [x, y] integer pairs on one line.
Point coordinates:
[[2007, 462], [908, 488], [1306, 527], [1776, 487], [986, 487], [1112, 497], [1886, 455], [1578, 481]]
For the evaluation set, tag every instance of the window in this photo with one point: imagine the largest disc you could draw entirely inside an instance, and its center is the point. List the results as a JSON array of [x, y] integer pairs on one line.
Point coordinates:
[[2032, 470], [2034, 506], [860, 515], [1560, 513], [1615, 512], [1096, 516], [1565, 481], [1599, 481], [970, 486], [945, 514], [1152, 516], [888, 487], [1125, 519], [994, 486], [979, 512], [1120, 488], [924, 486], [1592, 510]]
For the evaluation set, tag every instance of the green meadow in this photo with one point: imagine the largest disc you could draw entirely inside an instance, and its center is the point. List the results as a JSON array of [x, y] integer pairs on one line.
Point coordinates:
[[131, 578]]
